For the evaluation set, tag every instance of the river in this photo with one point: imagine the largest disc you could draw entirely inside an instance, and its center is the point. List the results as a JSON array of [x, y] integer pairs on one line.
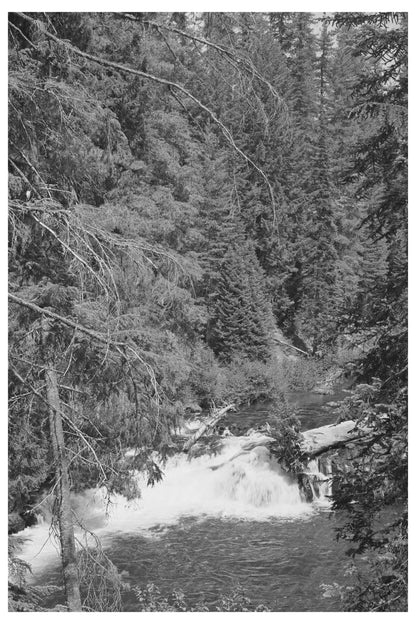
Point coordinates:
[[204, 530]]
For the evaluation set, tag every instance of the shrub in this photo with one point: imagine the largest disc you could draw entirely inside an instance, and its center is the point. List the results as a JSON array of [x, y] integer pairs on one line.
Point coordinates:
[[287, 446], [204, 375], [150, 598], [244, 381], [301, 374]]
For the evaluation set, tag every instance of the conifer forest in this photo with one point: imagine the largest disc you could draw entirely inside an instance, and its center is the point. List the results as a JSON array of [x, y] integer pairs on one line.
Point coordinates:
[[207, 311]]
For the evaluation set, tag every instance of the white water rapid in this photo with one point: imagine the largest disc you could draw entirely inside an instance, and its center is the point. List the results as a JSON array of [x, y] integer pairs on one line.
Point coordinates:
[[249, 486]]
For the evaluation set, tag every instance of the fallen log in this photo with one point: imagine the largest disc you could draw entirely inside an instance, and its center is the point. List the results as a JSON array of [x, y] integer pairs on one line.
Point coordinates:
[[314, 442], [286, 344], [216, 416], [322, 439]]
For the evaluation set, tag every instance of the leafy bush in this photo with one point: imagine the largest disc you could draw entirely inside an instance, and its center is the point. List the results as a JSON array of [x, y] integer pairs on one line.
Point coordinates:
[[204, 375], [287, 446], [21, 596], [244, 381], [372, 488], [302, 374], [150, 598]]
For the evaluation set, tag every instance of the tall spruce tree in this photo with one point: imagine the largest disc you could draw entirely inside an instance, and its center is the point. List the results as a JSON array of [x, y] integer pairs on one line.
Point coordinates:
[[241, 319], [316, 318]]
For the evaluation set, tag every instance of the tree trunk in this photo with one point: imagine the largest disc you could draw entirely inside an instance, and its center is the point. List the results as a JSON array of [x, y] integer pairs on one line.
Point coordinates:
[[65, 523], [322, 439], [208, 424]]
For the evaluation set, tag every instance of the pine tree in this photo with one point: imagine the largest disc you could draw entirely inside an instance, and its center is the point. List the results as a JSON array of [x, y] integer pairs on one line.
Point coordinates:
[[241, 319]]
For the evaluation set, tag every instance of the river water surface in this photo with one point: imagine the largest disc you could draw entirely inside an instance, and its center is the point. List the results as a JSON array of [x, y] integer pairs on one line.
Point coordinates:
[[215, 523]]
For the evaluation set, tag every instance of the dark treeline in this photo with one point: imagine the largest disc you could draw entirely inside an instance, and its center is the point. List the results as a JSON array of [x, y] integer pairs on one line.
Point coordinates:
[[181, 185]]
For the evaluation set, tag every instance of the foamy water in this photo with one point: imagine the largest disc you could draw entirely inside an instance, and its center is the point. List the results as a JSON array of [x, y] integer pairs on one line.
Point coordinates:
[[250, 486]]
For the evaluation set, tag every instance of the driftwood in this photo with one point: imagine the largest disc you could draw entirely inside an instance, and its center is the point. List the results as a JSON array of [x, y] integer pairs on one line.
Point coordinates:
[[208, 424], [322, 439], [286, 344]]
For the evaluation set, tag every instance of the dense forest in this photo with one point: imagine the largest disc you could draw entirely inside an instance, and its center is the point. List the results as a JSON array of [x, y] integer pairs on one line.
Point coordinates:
[[183, 188]]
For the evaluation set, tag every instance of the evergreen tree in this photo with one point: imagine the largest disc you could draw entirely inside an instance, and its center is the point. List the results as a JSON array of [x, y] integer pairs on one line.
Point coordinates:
[[297, 178], [241, 319], [377, 480], [317, 312]]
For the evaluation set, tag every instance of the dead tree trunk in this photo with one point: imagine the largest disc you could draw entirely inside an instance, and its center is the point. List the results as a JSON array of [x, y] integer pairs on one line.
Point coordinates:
[[318, 441], [65, 519], [208, 424]]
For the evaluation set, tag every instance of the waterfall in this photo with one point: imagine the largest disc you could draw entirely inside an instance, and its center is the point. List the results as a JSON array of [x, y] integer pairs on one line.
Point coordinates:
[[237, 483], [317, 481]]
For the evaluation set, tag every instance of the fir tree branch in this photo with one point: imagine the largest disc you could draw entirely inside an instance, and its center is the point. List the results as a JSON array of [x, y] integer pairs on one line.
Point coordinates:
[[24, 178], [66, 418], [163, 81], [102, 338], [72, 251], [246, 64]]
